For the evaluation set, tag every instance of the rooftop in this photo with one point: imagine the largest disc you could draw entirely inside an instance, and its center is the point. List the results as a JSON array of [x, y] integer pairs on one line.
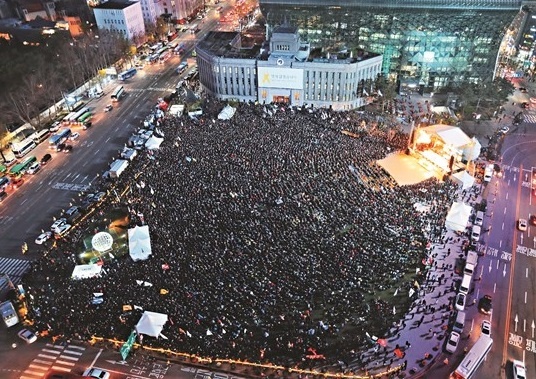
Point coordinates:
[[230, 45], [114, 5]]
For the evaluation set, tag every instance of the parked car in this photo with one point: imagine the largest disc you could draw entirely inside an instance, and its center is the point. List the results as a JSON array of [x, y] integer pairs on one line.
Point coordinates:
[[504, 130], [10, 161], [46, 158], [60, 147], [16, 183], [68, 148], [485, 304], [74, 136], [62, 231], [460, 301], [87, 125], [486, 328], [452, 343], [519, 370], [43, 237], [55, 127], [27, 335], [96, 373], [57, 224], [3, 196]]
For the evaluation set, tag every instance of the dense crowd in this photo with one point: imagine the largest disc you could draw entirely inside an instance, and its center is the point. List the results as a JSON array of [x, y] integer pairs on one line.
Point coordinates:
[[273, 236]]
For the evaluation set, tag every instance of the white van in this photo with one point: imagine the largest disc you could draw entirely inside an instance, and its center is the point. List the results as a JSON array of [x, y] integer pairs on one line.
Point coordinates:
[[488, 173], [475, 233], [479, 218], [470, 263], [34, 168], [459, 322], [466, 284]]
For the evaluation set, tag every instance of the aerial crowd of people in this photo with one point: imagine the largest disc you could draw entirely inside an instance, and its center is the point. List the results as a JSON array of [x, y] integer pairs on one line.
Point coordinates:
[[275, 236]]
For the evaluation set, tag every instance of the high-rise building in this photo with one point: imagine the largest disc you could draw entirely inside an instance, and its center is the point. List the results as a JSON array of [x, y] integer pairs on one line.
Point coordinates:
[[426, 43]]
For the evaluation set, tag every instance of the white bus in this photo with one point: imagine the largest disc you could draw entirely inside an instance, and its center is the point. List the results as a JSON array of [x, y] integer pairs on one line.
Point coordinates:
[[473, 359], [118, 93], [40, 136], [20, 149], [9, 314]]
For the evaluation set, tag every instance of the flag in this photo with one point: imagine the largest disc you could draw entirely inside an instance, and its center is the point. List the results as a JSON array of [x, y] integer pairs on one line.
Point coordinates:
[[127, 308], [411, 292], [380, 92], [365, 92], [164, 291], [138, 307], [188, 334], [394, 310], [181, 331], [396, 292], [209, 333]]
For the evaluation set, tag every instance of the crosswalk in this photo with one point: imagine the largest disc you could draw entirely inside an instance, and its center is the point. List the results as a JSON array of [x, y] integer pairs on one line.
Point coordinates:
[[14, 268], [530, 118], [53, 357]]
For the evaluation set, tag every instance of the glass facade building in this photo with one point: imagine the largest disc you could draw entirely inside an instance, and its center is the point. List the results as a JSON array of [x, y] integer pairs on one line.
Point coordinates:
[[431, 43]]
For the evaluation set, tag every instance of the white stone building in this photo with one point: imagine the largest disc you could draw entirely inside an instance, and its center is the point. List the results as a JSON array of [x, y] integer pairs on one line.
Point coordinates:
[[125, 18]]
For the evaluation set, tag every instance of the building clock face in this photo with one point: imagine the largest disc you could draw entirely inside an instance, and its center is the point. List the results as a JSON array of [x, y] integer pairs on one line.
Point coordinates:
[[280, 62]]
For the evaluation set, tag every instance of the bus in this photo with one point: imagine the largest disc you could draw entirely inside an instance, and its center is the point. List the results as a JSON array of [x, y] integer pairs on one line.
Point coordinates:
[[127, 74], [473, 359], [9, 314], [85, 117], [20, 149], [3, 169], [78, 114], [118, 93], [162, 58], [182, 67], [20, 169], [60, 137], [40, 136]]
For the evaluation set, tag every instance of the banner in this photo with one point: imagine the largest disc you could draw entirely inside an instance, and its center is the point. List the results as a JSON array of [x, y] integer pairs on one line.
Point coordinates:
[[127, 346]]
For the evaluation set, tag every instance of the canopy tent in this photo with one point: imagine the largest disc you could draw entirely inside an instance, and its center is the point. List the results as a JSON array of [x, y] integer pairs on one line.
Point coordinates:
[[139, 243], [464, 179], [472, 151], [450, 135], [226, 113], [153, 143], [151, 324], [86, 271], [458, 217]]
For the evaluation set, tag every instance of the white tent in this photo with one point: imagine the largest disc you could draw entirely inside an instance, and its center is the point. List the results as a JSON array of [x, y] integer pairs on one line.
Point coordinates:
[[139, 243], [153, 143], [472, 151], [464, 179], [151, 323], [226, 113], [86, 271], [458, 217]]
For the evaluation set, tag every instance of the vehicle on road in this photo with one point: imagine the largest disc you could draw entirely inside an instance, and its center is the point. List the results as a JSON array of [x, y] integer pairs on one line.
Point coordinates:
[[74, 136], [460, 301], [57, 224], [96, 373], [3, 196], [17, 183], [486, 328], [473, 359], [46, 158], [60, 147], [27, 335], [9, 314], [108, 108], [55, 126], [519, 370], [34, 168], [62, 231], [522, 224], [43, 237], [504, 130], [485, 304], [452, 343], [68, 148], [532, 220], [87, 125]]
